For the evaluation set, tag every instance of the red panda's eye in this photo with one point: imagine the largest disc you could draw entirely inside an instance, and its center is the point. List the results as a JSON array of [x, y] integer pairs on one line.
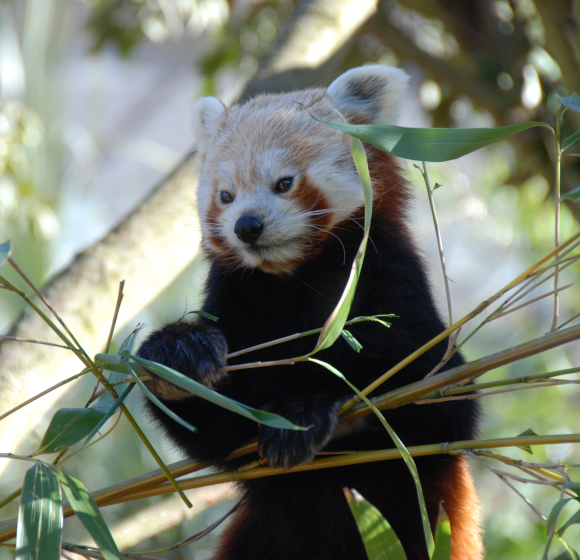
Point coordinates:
[[283, 185], [226, 197]]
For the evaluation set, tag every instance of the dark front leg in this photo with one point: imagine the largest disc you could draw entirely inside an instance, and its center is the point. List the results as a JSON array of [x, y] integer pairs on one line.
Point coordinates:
[[289, 448], [196, 349], [199, 351]]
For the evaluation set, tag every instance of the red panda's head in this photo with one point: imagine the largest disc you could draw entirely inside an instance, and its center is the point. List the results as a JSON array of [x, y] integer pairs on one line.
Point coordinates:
[[274, 182]]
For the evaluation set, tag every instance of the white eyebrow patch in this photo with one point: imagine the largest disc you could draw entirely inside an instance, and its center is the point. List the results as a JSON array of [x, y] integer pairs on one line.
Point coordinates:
[[273, 163], [224, 172]]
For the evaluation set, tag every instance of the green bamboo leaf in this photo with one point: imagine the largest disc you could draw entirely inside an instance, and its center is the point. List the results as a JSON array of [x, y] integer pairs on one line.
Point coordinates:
[[431, 144], [116, 376], [442, 537], [261, 416], [203, 314], [158, 403], [401, 447], [574, 487], [87, 511], [39, 531], [556, 510], [68, 426], [574, 194], [375, 318], [333, 326], [573, 553], [570, 140], [381, 542], [384, 323], [572, 521], [108, 412], [5, 250], [352, 341], [571, 102], [527, 448], [106, 401]]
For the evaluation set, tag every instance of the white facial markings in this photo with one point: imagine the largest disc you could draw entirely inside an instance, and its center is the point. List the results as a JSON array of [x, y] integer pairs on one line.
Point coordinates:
[[339, 184], [274, 164], [288, 232], [261, 146]]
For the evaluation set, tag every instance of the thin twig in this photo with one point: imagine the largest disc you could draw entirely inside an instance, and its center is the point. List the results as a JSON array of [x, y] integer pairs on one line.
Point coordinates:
[[498, 392], [452, 339], [534, 509], [538, 273], [470, 371], [303, 334], [273, 342], [43, 299], [517, 464], [32, 399], [89, 552], [443, 335], [552, 531], [115, 315], [513, 299], [503, 478], [111, 331], [500, 315], [16, 339], [558, 153], [78, 350], [448, 353], [252, 365], [464, 388], [567, 322], [438, 237], [200, 535], [155, 455], [510, 301]]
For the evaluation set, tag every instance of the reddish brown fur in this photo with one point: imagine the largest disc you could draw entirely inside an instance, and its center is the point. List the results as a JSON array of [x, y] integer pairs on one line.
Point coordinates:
[[390, 189], [217, 244], [457, 491], [227, 540]]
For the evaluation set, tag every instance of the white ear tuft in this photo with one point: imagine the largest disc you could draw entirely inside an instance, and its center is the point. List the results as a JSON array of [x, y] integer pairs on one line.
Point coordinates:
[[205, 114], [373, 93]]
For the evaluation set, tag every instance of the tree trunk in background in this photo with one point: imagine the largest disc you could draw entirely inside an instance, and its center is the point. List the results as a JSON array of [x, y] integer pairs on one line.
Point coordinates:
[[152, 243]]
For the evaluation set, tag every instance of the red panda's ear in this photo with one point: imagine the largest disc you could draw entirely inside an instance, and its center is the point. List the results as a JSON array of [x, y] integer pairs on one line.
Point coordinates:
[[373, 93], [205, 115]]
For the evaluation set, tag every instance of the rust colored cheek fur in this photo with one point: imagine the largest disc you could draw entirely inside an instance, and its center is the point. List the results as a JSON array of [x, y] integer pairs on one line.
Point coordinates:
[[213, 242], [390, 188]]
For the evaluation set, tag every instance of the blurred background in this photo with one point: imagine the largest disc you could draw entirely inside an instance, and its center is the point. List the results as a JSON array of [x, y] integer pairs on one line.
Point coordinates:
[[97, 186]]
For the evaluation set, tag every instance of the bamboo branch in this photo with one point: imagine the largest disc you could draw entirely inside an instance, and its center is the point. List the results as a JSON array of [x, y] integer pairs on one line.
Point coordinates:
[[481, 307], [103, 497], [465, 372]]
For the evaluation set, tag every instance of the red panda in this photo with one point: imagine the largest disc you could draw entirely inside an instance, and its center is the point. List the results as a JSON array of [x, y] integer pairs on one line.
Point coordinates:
[[281, 207]]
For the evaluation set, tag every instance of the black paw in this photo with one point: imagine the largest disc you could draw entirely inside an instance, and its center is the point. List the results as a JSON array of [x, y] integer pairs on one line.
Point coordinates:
[[196, 350], [290, 448]]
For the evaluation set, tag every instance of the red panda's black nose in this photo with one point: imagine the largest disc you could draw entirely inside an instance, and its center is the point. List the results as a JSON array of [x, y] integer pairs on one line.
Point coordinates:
[[248, 229]]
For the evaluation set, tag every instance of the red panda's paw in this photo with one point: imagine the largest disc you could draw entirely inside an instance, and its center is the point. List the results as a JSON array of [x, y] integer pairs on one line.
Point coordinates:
[[194, 349], [290, 448]]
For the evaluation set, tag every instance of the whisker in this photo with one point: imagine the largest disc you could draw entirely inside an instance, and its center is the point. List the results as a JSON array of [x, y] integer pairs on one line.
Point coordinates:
[[339, 240]]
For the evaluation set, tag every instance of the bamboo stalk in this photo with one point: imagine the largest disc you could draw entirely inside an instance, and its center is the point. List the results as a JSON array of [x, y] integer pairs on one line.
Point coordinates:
[[8, 530], [465, 372], [442, 336]]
